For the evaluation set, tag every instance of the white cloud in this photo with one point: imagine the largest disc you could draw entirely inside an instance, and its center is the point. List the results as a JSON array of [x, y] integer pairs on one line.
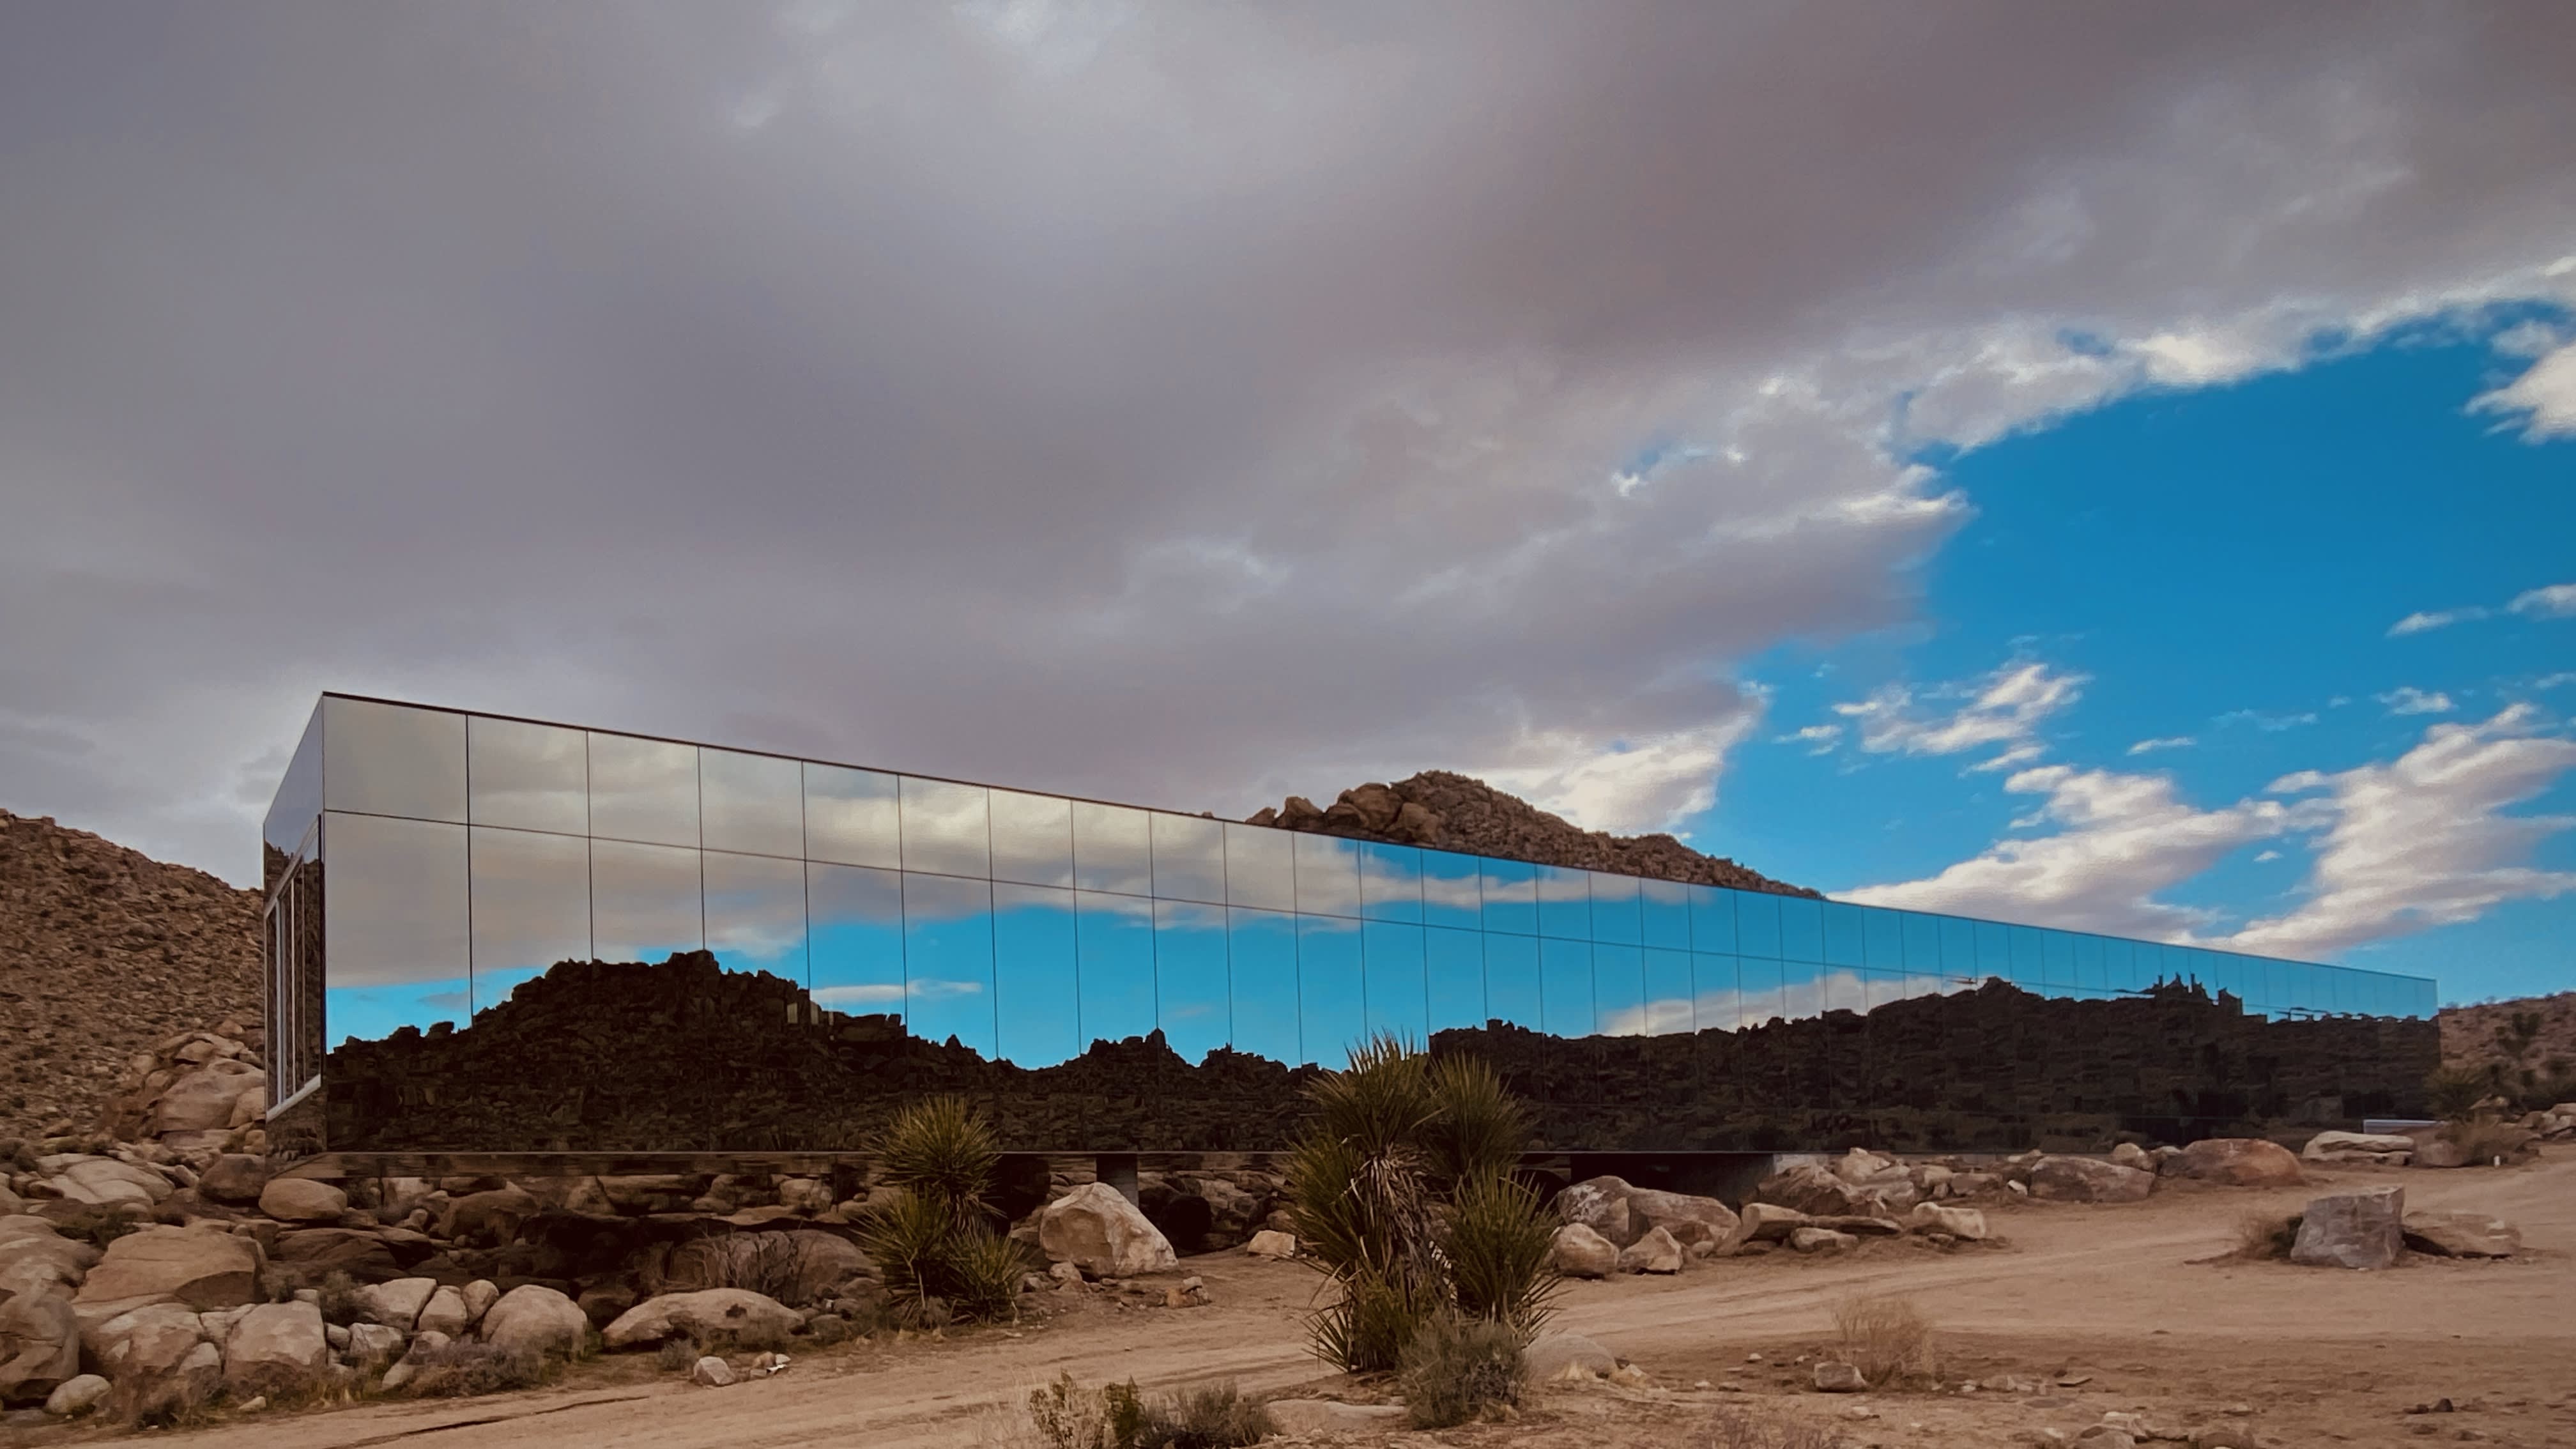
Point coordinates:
[[2543, 399], [2266, 721], [1639, 785], [2004, 708], [2407, 699], [2267, 855], [2557, 601], [2163, 742], [1821, 738], [2421, 622], [2423, 840], [2552, 681], [2121, 840]]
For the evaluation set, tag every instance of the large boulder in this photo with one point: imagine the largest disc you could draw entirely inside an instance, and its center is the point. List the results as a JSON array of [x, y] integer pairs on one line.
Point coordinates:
[[1822, 1240], [235, 1177], [1688, 1219], [151, 1340], [2237, 1162], [104, 1180], [302, 1200], [396, 1304], [1656, 1252], [1813, 1189], [1580, 1252], [40, 1347], [374, 1347], [1601, 1204], [2362, 1229], [709, 1314], [533, 1318], [1099, 1231], [445, 1313], [77, 1396], [2461, 1235], [276, 1347], [1958, 1222], [209, 1098], [2088, 1179], [36, 1259], [203, 1267], [2384, 1149], [1763, 1222]]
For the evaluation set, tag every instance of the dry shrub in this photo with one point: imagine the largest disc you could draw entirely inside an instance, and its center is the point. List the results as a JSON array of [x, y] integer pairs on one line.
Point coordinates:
[[1457, 1369], [96, 1225], [2485, 1142], [464, 1370], [1734, 1429], [780, 1265], [2262, 1235], [1886, 1338], [679, 1353], [339, 1298], [1206, 1416], [161, 1402], [1066, 1415]]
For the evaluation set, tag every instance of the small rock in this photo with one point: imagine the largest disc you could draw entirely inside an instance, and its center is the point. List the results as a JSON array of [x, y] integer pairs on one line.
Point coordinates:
[[1580, 1252], [1955, 1222], [2236, 1161], [444, 1313], [1066, 1275], [2088, 1179], [1271, 1244], [302, 1200], [479, 1296], [76, 1396], [374, 1346], [1551, 1354], [1656, 1252], [1832, 1377], [1822, 1240], [712, 1372]]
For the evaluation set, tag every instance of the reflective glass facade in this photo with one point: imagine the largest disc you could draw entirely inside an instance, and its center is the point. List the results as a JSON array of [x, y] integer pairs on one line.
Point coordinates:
[[423, 863]]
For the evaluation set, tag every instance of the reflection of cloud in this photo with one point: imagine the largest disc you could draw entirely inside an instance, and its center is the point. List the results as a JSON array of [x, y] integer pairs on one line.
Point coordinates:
[[1731, 1009], [445, 1001], [858, 995], [934, 986]]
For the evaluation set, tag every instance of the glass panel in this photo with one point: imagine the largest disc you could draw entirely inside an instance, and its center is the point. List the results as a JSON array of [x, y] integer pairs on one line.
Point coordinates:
[[1960, 958], [1189, 858], [851, 817], [2117, 975], [397, 928], [386, 759], [1842, 990], [297, 804], [1511, 979], [1036, 1009], [644, 903], [1451, 895], [1802, 991], [1192, 999], [1670, 988], [1328, 983], [1664, 914], [1922, 941], [2252, 974], [643, 790], [1883, 939], [946, 828], [1510, 891], [856, 916], [1757, 924], [1115, 938], [2089, 970], [1112, 850], [756, 913], [1032, 839], [1760, 989], [527, 776], [1564, 903], [1844, 945], [1328, 880], [1713, 919], [1618, 989], [531, 897], [1617, 917], [1454, 968], [1881, 988], [947, 953], [1390, 882], [752, 804], [1565, 986], [1391, 953], [2056, 958], [1260, 867], [1263, 948], [1802, 929]]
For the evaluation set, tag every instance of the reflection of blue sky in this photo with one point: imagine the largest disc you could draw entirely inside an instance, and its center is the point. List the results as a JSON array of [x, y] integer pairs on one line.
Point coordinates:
[[370, 1013]]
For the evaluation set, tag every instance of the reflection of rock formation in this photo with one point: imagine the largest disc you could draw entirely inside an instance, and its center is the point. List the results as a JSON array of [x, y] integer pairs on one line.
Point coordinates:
[[1455, 812], [683, 1056]]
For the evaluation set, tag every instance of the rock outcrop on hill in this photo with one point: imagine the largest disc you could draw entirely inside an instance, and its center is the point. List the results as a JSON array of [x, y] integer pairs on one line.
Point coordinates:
[[105, 954], [2534, 1035], [1454, 812]]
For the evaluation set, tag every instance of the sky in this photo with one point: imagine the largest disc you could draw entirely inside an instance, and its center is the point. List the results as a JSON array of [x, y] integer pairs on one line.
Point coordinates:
[[2104, 467]]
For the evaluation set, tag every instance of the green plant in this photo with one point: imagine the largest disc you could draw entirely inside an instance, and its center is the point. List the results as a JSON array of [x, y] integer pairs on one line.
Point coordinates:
[[906, 1236], [1457, 1369], [942, 1150], [983, 1270], [933, 1239], [2455, 1091], [1886, 1338], [1399, 1191]]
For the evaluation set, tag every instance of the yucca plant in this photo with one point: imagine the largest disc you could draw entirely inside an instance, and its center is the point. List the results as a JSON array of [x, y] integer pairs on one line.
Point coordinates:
[[1400, 1192], [943, 1149], [935, 1238]]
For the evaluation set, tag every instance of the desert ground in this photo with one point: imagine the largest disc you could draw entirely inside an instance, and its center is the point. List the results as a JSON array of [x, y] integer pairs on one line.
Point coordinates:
[[2095, 1308]]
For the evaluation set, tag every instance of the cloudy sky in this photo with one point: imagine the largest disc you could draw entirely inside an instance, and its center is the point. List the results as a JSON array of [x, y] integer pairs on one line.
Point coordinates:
[[2106, 466]]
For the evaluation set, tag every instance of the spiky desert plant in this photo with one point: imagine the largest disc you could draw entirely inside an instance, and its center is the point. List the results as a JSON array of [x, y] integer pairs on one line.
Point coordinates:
[[942, 1149], [2454, 1092], [1478, 1127], [1499, 1238]]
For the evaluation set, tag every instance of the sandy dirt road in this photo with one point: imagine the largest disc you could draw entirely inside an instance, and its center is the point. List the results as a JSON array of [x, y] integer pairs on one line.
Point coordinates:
[[2110, 1293]]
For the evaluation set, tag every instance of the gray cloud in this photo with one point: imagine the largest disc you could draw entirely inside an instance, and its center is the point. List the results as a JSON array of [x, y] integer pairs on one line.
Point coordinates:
[[1182, 404]]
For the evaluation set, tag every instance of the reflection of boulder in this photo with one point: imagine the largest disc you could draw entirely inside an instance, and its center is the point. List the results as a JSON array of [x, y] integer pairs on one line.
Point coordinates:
[[685, 1056]]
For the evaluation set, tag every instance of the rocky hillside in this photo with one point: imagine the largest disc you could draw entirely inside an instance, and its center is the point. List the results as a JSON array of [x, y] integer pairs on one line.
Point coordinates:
[[1455, 812], [2492, 1033], [105, 954]]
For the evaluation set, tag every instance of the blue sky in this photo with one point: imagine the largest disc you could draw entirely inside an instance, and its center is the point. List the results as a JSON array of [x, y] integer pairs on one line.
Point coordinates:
[[2212, 577]]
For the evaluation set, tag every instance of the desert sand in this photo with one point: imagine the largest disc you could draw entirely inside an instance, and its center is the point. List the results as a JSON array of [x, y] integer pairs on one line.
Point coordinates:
[[2124, 1298]]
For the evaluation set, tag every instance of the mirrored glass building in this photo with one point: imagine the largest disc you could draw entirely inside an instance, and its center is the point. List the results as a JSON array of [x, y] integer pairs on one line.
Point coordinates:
[[424, 864]]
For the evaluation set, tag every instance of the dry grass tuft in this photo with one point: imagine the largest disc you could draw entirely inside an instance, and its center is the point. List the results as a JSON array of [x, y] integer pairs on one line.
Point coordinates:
[[2262, 1236], [1887, 1339], [1734, 1429]]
